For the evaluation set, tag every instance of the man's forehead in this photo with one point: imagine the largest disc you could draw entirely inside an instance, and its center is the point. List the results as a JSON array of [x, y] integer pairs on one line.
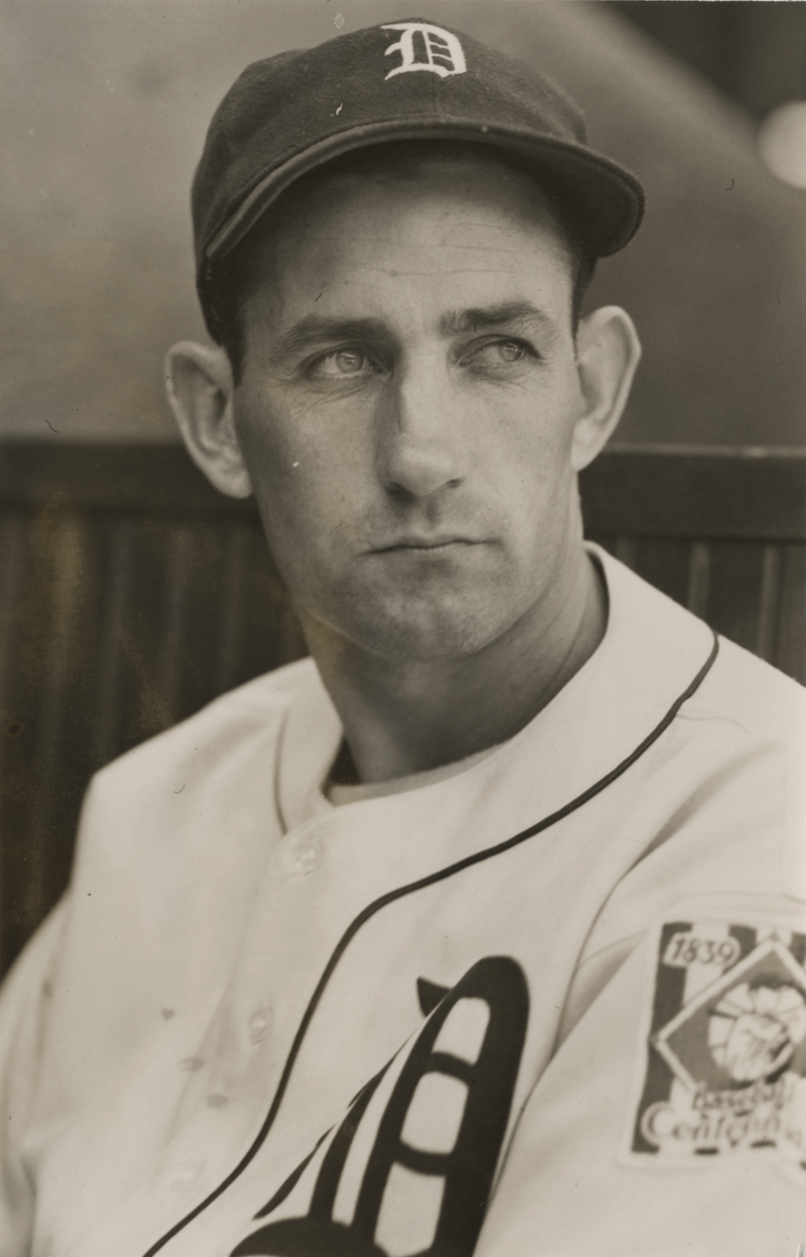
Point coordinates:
[[391, 259], [359, 285]]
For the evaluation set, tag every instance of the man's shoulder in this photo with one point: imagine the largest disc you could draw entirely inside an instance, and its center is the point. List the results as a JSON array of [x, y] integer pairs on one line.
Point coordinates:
[[221, 755], [258, 707], [744, 690], [179, 800], [739, 687]]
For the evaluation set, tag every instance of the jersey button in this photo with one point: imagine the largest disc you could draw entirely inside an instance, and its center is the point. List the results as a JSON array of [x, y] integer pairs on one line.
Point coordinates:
[[258, 1025], [305, 857], [182, 1175], [308, 858]]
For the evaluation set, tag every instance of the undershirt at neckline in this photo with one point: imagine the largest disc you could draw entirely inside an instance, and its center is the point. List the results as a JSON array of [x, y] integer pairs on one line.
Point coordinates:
[[339, 795]]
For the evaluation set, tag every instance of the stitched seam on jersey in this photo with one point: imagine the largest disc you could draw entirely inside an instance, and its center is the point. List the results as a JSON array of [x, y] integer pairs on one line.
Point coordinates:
[[710, 718], [393, 895]]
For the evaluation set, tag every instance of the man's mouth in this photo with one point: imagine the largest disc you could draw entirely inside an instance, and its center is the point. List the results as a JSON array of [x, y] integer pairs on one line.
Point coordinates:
[[425, 544]]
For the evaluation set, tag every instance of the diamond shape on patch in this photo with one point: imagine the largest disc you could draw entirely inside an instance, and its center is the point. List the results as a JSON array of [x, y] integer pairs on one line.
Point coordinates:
[[744, 1028]]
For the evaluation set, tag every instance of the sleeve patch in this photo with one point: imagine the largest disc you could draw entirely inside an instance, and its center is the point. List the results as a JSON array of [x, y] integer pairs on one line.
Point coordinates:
[[723, 1066]]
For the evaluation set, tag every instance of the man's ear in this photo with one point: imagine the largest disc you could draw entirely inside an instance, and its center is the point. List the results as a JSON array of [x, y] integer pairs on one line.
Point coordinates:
[[200, 390], [608, 352]]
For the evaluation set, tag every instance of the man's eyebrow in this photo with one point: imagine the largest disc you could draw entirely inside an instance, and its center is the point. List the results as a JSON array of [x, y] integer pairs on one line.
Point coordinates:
[[314, 329], [511, 314]]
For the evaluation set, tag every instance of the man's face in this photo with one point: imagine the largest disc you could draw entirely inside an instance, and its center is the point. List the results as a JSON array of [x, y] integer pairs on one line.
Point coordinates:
[[407, 408]]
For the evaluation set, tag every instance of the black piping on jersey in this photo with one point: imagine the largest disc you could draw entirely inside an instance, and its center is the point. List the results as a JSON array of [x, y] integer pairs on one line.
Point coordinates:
[[390, 897]]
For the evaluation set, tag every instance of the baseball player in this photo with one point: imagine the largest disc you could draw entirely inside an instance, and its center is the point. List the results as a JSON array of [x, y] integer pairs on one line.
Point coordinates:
[[482, 930]]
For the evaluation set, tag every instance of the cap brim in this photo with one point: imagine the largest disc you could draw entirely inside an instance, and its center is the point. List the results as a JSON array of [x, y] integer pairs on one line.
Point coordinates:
[[604, 200]]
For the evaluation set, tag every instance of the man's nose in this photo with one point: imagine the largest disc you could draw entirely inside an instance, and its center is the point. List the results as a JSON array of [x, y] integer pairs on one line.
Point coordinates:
[[421, 445]]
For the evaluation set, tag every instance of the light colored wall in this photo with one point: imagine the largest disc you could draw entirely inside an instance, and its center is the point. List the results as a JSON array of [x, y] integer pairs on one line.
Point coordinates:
[[103, 108]]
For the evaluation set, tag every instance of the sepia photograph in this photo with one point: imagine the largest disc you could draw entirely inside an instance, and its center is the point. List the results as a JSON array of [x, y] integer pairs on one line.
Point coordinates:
[[403, 628]]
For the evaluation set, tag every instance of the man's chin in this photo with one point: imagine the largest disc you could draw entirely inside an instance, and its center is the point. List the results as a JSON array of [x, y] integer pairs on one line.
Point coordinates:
[[422, 631]]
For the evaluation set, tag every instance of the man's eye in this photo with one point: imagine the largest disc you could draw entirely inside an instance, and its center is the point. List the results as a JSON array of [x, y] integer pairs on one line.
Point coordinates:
[[343, 362], [510, 350], [497, 353]]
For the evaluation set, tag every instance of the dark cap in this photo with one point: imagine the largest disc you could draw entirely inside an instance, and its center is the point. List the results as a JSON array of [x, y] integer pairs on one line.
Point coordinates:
[[402, 80]]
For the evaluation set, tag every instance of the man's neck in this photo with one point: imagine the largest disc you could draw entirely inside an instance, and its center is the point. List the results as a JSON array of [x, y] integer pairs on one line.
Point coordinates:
[[408, 716]]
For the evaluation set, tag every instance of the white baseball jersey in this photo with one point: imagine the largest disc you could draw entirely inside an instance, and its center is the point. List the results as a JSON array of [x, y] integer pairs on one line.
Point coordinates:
[[553, 1004]]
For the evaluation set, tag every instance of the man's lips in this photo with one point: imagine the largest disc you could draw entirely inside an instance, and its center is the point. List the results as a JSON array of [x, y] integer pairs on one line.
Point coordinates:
[[424, 543]]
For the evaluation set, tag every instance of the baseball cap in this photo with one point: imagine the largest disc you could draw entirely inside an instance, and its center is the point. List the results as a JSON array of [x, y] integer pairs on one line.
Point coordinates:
[[401, 80]]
